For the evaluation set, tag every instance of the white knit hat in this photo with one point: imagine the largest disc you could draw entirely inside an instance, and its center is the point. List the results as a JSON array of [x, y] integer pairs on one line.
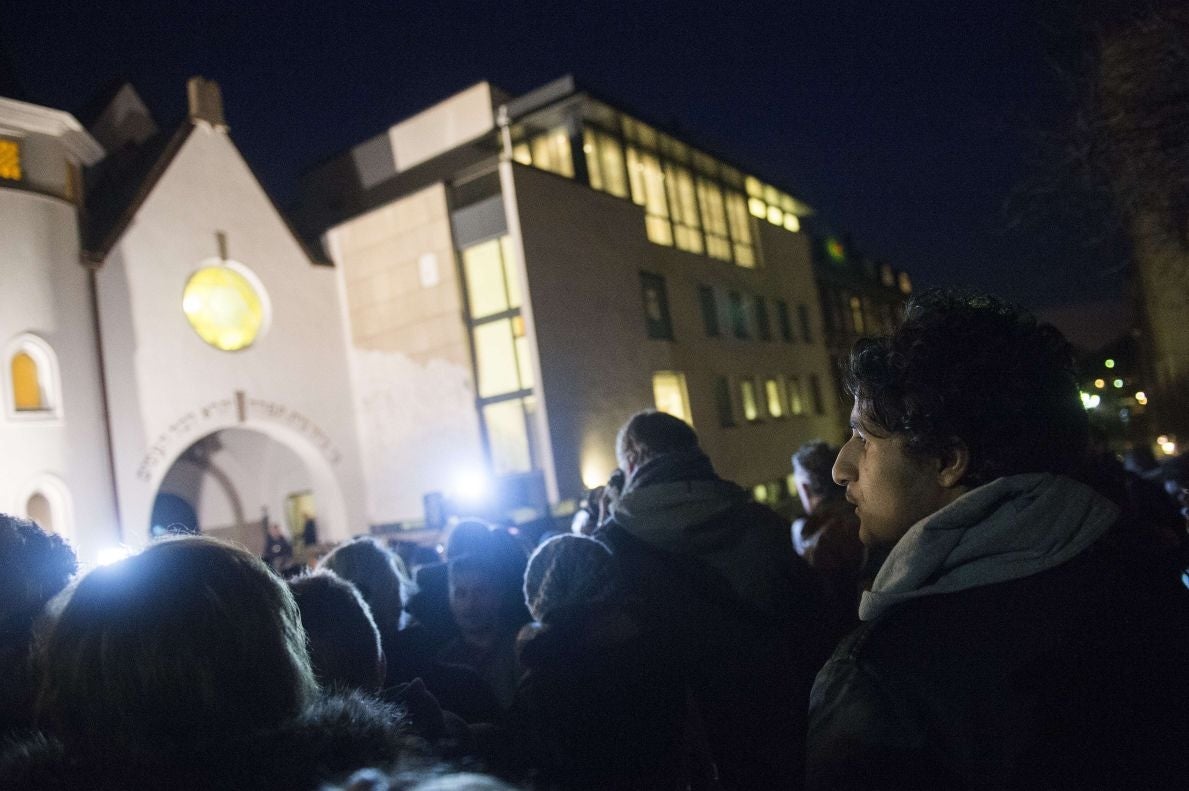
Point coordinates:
[[566, 576]]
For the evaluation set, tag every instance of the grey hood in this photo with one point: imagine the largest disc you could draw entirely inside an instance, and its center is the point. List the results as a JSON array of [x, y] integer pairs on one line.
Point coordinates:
[[1010, 528]]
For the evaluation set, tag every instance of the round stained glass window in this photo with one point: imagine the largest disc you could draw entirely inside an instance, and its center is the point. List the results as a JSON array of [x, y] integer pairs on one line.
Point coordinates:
[[224, 306]]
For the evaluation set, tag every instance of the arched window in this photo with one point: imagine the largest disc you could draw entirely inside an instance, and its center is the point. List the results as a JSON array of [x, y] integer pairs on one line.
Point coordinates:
[[39, 510], [27, 395], [46, 500], [32, 379]]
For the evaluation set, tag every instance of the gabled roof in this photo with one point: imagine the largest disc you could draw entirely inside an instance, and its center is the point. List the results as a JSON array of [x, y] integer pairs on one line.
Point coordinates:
[[124, 183]]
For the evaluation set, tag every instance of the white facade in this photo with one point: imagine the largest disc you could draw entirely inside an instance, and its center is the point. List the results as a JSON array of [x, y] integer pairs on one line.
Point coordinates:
[[233, 433]]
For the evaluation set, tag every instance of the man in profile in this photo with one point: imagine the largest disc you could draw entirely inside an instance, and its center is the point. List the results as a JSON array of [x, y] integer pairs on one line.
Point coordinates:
[[1005, 642], [718, 584]]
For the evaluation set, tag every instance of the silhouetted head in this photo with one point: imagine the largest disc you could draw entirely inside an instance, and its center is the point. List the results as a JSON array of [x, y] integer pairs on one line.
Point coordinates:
[[649, 434], [189, 643], [344, 643], [376, 573]]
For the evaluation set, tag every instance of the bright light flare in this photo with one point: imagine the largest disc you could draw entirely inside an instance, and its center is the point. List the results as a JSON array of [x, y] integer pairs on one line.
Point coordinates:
[[1141, 398], [470, 486], [110, 555]]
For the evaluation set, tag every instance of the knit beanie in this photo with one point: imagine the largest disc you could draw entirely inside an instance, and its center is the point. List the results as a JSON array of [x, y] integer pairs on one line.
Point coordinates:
[[567, 576]]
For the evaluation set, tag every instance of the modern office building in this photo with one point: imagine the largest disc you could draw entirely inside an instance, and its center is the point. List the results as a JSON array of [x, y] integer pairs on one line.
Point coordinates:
[[521, 274]]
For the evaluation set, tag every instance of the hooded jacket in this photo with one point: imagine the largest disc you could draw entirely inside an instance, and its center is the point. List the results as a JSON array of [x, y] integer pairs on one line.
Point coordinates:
[[715, 576], [1004, 645]]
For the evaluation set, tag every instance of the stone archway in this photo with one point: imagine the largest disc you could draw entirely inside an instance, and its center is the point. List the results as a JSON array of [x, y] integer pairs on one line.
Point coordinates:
[[233, 481]]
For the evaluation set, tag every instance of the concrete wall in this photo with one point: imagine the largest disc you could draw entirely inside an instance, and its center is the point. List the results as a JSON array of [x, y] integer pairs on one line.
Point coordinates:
[[44, 292], [410, 351], [583, 254], [167, 387]]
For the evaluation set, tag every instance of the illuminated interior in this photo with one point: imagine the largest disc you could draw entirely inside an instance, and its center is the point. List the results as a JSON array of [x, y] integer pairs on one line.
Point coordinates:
[[223, 307], [10, 160], [670, 395], [27, 392]]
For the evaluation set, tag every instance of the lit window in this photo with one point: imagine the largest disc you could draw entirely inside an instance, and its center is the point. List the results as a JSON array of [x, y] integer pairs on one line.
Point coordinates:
[[522, 154], [684, 205], [740, 225], [491, 285], [10, 160], [670, 395], [656, 307], [224, 307], [757, 207], [27, 392], [747, 396], [500, 357], [792, 222], [775, 215], [856, 314], [714, 219], [604, 162], [509, 434], [32, 374], [551, 152], [905, 283], [774, 392], [796, 402], [648, 190]]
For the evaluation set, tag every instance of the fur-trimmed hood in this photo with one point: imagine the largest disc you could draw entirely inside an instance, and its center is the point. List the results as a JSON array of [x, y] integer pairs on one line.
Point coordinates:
[[334, 737]]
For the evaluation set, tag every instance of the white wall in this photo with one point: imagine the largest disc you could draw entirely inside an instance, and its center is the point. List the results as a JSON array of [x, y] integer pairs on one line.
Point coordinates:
[[168, 387], [44, 291]]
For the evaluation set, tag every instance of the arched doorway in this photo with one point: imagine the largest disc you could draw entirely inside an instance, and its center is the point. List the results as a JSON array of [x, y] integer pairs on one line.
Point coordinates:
[[231, 484]]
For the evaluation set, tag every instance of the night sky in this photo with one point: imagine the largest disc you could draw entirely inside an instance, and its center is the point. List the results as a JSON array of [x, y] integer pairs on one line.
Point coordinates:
[[931, 132]]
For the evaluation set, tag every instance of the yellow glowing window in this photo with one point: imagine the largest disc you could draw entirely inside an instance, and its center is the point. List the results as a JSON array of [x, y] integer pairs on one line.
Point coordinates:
[[223, 307], [27, 395], [670, 395], [522, 154], [10, 160], [796, 404], [551, 151], [747, 392], [757, 207], [774, 390], [792, 222], [495, 357], [487, 283]]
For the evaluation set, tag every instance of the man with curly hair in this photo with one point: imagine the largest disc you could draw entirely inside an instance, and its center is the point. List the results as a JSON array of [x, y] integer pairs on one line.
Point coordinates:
[[1005, 643]]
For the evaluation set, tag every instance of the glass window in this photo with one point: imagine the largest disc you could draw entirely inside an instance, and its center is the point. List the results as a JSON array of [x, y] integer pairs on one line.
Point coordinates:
[[815, 395], [806, 330], [747, 396], [738, 315], [551, 151], [856, 314], [740, 225], [604, 162], [496, 359], [670, 395], [796, 400], [224, 307], [722, 402], [709, 311], [39, 510], [10, 160], [509, 434], [683, 204], [28, 392], [714, 219], [782, 318], [774, 392], [656, 306], [763, 326], [648, 190], [486, 278], [522, 154]]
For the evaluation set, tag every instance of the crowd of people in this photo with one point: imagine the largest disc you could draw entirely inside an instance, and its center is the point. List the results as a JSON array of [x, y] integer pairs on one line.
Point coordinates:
[[977, 596]]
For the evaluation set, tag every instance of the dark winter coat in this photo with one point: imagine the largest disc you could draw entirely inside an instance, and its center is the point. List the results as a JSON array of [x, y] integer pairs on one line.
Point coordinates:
[[599, 707], [333, 738], [715, 576], [1071, 676]]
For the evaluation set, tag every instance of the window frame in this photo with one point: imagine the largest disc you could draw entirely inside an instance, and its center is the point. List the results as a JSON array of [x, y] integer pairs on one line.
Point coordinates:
[[656, 283], [49, 379]]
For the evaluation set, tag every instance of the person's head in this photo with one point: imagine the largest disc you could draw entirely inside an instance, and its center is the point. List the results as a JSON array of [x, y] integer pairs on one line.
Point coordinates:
[[568, 576], [965, 390], [476, 595], [468, 537], [34, 567], [376, 573], [649, 434], [812, 465], [190, 642], [344, 643]]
